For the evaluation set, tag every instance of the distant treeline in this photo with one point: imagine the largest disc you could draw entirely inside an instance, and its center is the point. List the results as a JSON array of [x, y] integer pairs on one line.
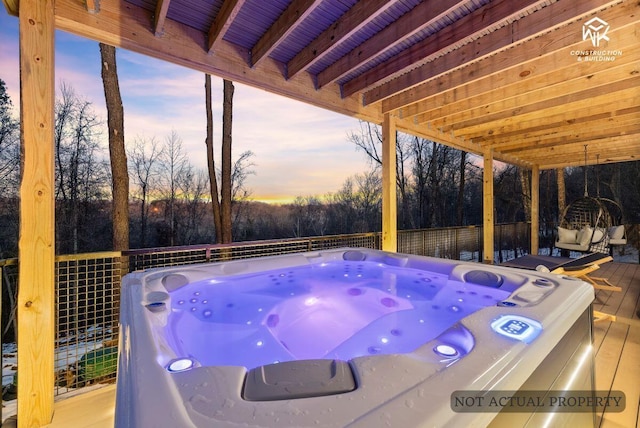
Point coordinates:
[[169, 201]]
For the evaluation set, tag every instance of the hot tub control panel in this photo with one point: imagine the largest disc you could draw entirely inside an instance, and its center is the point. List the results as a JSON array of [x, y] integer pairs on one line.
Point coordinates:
[[517, 327]]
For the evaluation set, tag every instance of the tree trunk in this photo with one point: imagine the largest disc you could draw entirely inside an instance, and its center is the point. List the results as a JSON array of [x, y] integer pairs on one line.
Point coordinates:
[[118, 155], [225, 196], [213, 181], [562, 195], [525, 184], [460, 199]]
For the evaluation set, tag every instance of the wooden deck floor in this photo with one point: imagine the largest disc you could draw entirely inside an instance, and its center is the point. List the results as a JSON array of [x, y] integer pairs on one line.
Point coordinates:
[[617, 347], [617, 344]]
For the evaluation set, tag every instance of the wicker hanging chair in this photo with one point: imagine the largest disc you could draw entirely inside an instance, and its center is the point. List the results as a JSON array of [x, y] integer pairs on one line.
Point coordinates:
[[584, 226], [585, 223]]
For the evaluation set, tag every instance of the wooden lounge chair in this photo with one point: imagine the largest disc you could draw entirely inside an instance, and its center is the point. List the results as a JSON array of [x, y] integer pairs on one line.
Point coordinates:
[[579, 267]]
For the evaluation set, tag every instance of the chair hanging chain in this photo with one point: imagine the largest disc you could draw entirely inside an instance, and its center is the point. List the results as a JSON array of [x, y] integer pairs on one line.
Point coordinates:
[[598, 176], [586, 192]]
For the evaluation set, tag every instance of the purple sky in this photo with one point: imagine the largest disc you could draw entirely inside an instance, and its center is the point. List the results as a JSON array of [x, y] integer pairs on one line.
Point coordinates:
[[300, 150]]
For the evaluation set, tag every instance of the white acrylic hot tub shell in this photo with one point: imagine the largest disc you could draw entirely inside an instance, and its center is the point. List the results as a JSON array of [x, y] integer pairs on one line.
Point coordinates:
[[393, 390]]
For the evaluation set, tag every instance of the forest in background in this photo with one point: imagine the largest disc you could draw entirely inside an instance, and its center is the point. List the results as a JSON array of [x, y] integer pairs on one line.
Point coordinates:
[[170, 202]]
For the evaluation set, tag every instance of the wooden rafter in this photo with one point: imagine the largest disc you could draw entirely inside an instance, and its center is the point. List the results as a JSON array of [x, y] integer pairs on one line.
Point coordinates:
[[517, 135], [222, 22], [516, 65], [93, 6], [353, 20], [409, 88], [408, 25], [162, 8], [531, 106], [284, 25]]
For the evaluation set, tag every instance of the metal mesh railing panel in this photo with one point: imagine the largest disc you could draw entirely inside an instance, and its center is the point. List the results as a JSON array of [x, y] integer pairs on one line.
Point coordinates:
[[87, 307]]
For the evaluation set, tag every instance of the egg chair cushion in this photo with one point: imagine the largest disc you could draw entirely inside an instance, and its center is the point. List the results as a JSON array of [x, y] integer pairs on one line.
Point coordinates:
[[567, 236]]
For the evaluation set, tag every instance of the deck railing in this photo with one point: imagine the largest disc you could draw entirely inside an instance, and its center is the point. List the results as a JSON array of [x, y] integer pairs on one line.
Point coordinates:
[[88, 286]]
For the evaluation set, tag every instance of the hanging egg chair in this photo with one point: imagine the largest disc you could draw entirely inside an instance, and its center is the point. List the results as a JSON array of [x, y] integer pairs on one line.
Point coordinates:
[[585, 223], [584, 227]]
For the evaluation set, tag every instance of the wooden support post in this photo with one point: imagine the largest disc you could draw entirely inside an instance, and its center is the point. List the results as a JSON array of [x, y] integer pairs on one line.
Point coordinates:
[[389, 203], [487, 207], [535, 209], [36, 295]]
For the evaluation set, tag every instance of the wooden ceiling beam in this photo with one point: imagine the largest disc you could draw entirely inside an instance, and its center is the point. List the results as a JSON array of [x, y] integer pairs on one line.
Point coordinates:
[[418, 85], [162, 8], [295, 13], [599, 146], [356, 18], [575, 132], [11, 6], [511, 133], [529, 107], [222, 22], [93, 6], [557, 69], [189, 48], [601, 150], [451, 140], [423, 15]]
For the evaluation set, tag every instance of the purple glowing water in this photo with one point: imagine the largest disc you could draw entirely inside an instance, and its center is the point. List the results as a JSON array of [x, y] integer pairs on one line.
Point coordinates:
[[335, 310]]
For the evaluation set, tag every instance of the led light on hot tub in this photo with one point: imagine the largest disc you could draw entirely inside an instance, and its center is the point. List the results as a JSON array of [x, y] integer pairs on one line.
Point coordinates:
[[517, 327], [180, 365], [446, 351]]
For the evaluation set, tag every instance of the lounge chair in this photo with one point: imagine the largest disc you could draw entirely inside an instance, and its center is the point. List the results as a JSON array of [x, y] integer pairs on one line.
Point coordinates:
[[579, 267]]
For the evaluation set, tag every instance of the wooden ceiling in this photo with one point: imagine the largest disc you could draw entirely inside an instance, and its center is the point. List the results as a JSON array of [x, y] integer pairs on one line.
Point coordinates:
[[517, 76]]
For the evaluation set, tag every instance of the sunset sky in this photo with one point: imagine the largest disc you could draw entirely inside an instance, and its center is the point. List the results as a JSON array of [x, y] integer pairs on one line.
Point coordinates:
[[299, 150]]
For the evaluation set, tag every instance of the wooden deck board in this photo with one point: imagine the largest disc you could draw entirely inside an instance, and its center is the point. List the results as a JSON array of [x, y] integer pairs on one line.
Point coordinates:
[[616, 345]]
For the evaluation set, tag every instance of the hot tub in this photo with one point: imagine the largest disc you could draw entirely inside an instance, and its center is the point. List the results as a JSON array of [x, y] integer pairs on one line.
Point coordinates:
[[348, 337]]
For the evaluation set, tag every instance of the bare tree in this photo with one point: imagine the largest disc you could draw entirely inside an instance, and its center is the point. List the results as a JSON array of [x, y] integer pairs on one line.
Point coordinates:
[[174, 164], [9, 174], [118, 155], [562, 192], [309, 216], [525, 184], [143, 158], [79, 168], [462, 175], [213, 180], [221, 202], [193, 188], [369, 140], [225, 191], [9, 145]]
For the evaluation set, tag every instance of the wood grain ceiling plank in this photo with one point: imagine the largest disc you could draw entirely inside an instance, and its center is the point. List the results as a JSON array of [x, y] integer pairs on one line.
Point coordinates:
[[481, 120], [609, 127], [513, 131], [417, 85], [560, 67], [601, 150]]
